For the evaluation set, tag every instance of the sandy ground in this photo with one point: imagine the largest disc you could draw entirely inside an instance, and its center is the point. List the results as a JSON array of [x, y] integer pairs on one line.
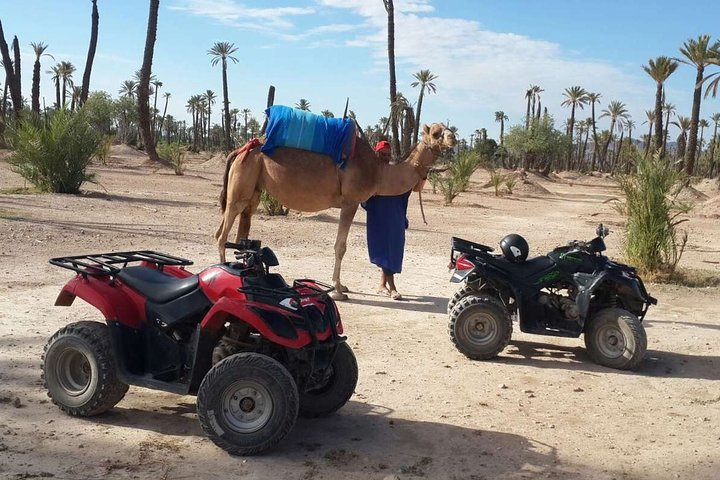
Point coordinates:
[[421, 409]]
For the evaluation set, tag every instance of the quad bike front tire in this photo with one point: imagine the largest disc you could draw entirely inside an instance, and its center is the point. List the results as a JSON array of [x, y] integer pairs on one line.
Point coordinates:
[[79, 370], [247, 403], [616, 338], [330, 397], [480, 326]]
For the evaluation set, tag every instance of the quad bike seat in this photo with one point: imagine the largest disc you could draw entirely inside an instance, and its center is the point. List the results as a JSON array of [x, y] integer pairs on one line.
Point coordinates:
[[156, 285], [526, 269]]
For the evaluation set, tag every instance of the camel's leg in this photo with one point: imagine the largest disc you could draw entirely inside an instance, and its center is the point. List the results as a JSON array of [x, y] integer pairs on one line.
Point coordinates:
[[347, 213], [246, 217], [231, 211]]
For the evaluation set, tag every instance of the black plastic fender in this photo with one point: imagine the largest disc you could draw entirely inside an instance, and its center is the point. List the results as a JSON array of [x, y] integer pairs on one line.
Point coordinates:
[[588, 284]]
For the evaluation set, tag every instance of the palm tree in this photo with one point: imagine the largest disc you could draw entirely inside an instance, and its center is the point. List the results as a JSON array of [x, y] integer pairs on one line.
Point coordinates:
[[703, 124], [91, 53], [716, 119], [75, 97], [574, 97], [222, 52], [193, 108], [536, 98], [425, 81], [390, 10], [66, 70], [55, 71], [327, 114], [166, 96], [650, 115], [659, 70], [617, 112], [669, 110], [528, 95], [303, 104], [246, 112], [210, 98], [589, 124], [684, 124], [154, 91], [128, 88], [39, 49], [628, 124], [501, 118], [699, 53], [143, 94], [592, 99]]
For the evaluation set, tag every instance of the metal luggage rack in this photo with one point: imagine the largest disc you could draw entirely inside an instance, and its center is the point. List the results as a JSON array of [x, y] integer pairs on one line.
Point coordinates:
[[101, 264]]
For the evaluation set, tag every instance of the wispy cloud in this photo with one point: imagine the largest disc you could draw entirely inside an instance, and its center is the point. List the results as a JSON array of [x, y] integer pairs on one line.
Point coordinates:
[[237, 14], [483, 69]]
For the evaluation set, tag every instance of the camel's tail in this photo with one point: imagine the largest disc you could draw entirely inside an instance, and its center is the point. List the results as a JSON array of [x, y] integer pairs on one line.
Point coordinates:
[[241, 153]]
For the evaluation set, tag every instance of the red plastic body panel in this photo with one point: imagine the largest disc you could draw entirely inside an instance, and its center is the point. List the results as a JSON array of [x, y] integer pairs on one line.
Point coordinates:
[[115, 300]]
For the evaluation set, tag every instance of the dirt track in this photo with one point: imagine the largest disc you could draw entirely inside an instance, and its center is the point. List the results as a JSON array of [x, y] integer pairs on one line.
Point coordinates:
[[542, 410]]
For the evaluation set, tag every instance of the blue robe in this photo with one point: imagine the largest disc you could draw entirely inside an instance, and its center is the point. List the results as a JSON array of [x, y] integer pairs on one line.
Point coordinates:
[[386, 224]]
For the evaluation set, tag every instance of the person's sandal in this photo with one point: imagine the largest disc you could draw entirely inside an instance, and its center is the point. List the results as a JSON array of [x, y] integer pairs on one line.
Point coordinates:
[[384, 291], [395, 295]]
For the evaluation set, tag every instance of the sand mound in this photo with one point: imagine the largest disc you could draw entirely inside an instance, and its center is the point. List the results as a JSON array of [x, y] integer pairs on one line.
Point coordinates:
[[528, 186], [215, 161], [708, 186], [126, 151], [690, 194], [709, 208]]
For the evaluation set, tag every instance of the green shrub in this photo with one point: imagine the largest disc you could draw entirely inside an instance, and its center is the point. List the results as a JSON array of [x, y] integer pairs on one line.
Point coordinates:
[[462, 167], [510, 182], [271, 206], [496, 179], [54, 156], [654, 243], [174, 153], [103, 151]]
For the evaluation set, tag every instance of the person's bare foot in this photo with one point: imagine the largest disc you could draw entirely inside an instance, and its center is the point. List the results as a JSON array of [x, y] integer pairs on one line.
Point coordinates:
[[383, 291], [395, 295]]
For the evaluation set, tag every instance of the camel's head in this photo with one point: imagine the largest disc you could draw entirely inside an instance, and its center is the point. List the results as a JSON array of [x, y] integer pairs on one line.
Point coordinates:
[[438, 137]]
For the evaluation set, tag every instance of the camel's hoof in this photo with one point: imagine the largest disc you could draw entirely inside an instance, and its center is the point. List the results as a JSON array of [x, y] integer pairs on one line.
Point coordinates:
[[343, 289], [338, 296]]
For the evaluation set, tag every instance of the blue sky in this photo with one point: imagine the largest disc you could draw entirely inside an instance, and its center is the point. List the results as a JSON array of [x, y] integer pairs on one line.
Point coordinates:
[[485, 53]]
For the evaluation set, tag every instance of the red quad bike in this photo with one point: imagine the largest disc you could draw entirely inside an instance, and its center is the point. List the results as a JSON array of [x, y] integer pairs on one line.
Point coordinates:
[[256, 351]]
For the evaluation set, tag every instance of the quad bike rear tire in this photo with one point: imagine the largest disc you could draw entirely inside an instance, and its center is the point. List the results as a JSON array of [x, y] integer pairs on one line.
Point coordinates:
[[480, 326], [615, 338], [247, 403], [466, 290], [340, 386], [79, 370]]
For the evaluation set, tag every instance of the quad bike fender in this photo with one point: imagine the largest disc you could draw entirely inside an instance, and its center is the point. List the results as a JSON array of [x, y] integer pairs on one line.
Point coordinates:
[[276, 328], [113, 301], [628, 288]]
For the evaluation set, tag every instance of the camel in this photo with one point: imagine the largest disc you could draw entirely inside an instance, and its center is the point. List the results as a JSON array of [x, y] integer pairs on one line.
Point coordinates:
[[310, 182]]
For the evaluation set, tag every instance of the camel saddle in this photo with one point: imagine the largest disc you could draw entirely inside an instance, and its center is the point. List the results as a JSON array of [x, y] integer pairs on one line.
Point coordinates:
[[290, 127]]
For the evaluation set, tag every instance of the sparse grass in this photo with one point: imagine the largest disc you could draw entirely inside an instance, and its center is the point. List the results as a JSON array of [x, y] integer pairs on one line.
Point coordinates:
[[340, 457], [19, 191], [271, 206], [8, 215], [103, 151], [694, 278]]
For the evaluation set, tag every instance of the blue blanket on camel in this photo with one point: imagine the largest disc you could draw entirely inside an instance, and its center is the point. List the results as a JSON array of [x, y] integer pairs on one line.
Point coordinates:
[[290, 127]]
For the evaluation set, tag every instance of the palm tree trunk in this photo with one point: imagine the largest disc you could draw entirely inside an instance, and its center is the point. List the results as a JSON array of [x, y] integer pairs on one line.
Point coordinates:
[[694, 121], [659, 142], [144, 86], [226, 102], [416, 130], [581, 158], [667, 133], [527, 114], [162, 119], [607, 144], [390, 9], [619, 149], [502, 130], [35, 93], [712, 149], [57, 94], [64, 91], [595, 139], [85, 87], [649, 140], [571, 128]]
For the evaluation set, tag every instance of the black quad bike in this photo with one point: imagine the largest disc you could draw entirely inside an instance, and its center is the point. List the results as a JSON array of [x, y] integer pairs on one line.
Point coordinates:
[[255, 350], [573, 290]]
